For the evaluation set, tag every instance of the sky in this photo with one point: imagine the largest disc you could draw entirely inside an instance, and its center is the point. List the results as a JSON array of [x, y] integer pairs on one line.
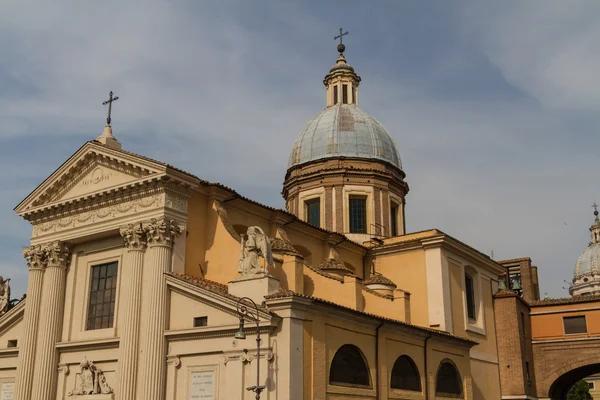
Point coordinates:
[[493, 105]]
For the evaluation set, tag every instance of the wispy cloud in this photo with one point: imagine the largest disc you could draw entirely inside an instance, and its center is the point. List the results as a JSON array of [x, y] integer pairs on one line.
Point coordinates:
[[494, 119]]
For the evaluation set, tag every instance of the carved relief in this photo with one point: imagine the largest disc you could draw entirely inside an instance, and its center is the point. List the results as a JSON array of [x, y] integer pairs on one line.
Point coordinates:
[[99, 215], [58, 254], [35, 257], [91, 380], [176, 203], [134, 237], [162, 232]]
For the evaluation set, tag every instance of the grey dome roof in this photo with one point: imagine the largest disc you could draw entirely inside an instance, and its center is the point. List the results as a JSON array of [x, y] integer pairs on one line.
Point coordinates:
[[344, 130], [589, 261]]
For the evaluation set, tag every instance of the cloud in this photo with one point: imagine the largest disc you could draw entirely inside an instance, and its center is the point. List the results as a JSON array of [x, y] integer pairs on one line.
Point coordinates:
[[494, 120]]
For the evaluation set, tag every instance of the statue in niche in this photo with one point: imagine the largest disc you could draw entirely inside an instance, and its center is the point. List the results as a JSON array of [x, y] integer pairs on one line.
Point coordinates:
[[92, 380], [4, 295], [255, 246]]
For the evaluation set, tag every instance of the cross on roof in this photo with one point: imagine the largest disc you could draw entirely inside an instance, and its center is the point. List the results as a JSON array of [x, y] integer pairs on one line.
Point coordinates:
[[109, 102], [595, 207], [342, 33]]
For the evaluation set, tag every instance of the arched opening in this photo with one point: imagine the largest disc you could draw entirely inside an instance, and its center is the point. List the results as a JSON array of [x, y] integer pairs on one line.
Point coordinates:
[[405, 375], [448, 382], [349, 367], [560, 387]]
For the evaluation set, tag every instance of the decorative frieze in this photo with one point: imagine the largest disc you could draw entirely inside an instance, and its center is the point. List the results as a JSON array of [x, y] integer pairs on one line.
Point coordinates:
[[134, 237], [162, 232]]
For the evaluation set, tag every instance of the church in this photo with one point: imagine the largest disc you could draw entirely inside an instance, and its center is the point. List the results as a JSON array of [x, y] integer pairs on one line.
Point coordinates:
[[148, 282]]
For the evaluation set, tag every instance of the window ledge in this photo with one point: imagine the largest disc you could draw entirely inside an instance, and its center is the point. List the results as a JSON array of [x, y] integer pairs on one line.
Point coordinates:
[[475, 329]]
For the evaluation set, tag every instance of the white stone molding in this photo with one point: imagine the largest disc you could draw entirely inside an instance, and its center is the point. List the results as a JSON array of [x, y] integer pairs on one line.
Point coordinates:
[[162, 232], [134, 237], [174, 360]]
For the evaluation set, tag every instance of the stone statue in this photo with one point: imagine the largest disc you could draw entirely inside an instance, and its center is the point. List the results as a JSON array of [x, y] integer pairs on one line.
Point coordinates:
[[256, 245], [92, 380], [4, 295]]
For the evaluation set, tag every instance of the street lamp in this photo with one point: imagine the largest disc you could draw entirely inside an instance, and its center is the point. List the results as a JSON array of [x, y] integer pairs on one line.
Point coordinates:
[[243, 313]]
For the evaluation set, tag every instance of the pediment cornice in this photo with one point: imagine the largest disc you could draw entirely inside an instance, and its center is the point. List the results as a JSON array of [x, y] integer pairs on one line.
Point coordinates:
[[97, 174]]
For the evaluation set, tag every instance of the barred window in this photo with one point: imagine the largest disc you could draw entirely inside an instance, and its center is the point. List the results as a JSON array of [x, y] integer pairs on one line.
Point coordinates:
[[358, 214], [103, 291]]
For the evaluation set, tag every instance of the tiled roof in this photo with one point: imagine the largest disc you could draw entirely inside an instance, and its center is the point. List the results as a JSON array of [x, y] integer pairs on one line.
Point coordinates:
[[286, 293], [566, 300], [203, 283], [378, 279], [331, 264]]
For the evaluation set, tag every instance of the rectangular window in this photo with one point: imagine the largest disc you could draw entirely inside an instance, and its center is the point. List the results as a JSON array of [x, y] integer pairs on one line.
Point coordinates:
[[523, 328], [345, 94], [358, 214], [470, 296], [394, 219], [335, 94], [12, 343], [200, 321], [527, 372], [103, 292], [591, 385], [313, 211], [575, 325]]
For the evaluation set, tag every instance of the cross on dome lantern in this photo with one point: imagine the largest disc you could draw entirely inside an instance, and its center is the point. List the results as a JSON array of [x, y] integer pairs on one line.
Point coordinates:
[[341, 46]]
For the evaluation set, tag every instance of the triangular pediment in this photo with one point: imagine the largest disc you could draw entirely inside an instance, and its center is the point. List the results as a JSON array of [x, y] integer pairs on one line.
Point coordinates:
[[92, 170]]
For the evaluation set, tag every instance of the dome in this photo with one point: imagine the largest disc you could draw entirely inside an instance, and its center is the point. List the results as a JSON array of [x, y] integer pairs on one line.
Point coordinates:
[[588, 262], [344, 130]]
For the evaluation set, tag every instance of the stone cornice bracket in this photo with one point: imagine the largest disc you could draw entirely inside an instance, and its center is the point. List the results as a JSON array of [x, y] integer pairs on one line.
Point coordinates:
[[58, 254], [174, 360], [135, 237], [35, 256], [162, 232]]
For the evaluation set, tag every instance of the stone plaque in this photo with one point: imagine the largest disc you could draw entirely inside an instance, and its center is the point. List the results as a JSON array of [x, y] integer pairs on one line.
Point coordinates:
[[7, 391], [202, 385]]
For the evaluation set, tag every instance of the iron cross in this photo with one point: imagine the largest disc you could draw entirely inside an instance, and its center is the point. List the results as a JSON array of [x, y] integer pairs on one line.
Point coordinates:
[[109, 102], [342, 33], [595, 207]]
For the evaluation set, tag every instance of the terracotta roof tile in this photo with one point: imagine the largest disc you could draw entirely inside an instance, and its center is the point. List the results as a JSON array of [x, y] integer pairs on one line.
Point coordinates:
[[285, 293], [378, 279], [566, 300]]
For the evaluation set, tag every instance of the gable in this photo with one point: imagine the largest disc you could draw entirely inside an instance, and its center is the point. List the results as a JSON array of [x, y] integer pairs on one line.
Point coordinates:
[[11, 325], [92, 170], [183, 310]]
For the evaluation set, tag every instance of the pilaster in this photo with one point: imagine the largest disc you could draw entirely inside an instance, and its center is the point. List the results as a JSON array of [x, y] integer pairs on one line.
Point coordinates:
[[36, 261], [134, 237], [160, 235], [51, 317]]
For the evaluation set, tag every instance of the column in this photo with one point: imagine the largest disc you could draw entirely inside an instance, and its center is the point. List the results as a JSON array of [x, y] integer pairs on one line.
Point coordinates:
[[36, 261], [129, 320], [51, 317], [160, 235]]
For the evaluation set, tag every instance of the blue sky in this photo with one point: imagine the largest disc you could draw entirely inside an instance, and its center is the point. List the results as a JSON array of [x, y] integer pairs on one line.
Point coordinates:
[[493, 105]]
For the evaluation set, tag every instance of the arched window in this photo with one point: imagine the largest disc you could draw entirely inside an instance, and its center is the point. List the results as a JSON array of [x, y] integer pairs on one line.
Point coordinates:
[[405, 375], [448, 382], [470, 294], [349, 367]]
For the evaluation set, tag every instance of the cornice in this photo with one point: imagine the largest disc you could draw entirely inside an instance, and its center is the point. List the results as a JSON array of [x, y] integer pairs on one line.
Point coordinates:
[[218, 331], [12, 316], [88, 344]]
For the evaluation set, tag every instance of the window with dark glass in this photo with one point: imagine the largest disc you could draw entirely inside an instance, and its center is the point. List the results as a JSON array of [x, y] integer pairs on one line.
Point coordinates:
[[348, 367], [358, 214], [345, 94], [470, 293], [394, 219], [103, 292], [313, 211], [200, 321], [575, 325], [448, 382], [335, 94], [405, 375]]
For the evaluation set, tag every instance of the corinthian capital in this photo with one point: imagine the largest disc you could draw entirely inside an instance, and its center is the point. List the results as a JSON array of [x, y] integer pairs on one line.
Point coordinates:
[[58, 254], [162, 232], [134, 237], [35, 257]]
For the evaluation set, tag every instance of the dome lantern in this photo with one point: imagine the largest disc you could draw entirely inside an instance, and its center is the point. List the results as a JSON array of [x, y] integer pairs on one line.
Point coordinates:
[[344, 172]]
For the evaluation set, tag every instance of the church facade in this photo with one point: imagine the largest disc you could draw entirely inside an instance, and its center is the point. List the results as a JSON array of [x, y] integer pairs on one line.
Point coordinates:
[[143, 280]]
